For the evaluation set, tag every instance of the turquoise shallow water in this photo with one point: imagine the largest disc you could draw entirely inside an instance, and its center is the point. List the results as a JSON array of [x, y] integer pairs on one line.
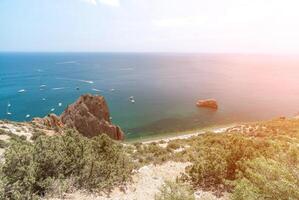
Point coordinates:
[[165, 87]]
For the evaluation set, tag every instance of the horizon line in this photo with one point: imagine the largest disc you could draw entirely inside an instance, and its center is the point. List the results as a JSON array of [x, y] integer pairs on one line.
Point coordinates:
[[154, 52]]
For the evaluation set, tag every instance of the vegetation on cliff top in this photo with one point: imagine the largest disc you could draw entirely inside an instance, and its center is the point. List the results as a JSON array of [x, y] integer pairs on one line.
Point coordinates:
[[55, 164]]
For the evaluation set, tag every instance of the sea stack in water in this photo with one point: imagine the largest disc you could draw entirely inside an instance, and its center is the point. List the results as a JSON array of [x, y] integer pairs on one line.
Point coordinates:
[[207, 103], [89, 115]]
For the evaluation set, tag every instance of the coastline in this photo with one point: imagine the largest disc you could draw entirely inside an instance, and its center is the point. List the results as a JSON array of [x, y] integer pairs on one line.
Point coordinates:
[[217, 128], [181, 134]]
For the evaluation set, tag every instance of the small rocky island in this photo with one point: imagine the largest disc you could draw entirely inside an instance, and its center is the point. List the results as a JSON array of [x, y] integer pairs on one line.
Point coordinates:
[[207, 103]]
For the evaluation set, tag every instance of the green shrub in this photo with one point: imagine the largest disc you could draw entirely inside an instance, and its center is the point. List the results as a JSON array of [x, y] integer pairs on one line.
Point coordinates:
[[220, 157], [1, 189], [3, 132], [36, 133], [32, 169], [268, 179], [173, 145], [152, 153], [245, 190], [175, 191], [263, 164], [3, 144], [210, 168], [19, 176], [23, 137]]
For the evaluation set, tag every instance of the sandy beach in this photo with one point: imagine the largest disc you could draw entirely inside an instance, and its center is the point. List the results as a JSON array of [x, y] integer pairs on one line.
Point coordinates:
[[186, 135]]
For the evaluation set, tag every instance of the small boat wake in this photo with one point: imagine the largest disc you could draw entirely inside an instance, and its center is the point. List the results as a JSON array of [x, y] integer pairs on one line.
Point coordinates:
[[59, 88], [96, 90], [67, 62], [78, 80]]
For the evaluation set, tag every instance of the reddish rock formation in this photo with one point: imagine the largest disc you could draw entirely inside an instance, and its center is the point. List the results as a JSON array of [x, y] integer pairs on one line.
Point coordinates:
[[89, 115], [207, 103], [51, 121]]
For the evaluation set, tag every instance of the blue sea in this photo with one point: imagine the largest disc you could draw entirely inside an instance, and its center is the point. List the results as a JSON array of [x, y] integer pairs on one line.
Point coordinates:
[[165, 87]]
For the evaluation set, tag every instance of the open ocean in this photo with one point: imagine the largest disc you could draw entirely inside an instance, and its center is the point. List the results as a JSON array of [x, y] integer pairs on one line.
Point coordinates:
[[165, 87]]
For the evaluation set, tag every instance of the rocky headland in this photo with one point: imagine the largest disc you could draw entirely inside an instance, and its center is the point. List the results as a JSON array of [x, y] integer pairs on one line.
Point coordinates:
[[89, 115]]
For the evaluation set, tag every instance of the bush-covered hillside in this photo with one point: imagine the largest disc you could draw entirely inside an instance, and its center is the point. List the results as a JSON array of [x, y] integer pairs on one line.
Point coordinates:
[[55, 164], [253, 161]]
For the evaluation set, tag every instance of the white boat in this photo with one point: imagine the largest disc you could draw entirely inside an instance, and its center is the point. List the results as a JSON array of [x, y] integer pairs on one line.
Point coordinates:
[[112, 90], [132, 99], [44, 99], [96, 90], [21, 91], [42, 87], [59, 104], [7, 109], [52, 109], [27, 116]]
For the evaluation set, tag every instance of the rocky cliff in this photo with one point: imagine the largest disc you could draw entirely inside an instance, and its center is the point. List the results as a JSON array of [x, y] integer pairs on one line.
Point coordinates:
[[89, 115]]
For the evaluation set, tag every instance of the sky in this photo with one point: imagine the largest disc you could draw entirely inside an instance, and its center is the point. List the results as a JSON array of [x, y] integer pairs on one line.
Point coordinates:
[[228, 26]]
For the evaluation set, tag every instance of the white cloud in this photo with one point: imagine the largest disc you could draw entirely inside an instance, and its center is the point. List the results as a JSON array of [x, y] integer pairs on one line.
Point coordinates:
[[93, 2], [113, 3], [179, 22]]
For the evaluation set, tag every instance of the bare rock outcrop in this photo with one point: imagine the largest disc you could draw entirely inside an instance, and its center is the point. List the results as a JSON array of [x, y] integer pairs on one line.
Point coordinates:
[[89, 115], [50, 121], [207, 103]]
